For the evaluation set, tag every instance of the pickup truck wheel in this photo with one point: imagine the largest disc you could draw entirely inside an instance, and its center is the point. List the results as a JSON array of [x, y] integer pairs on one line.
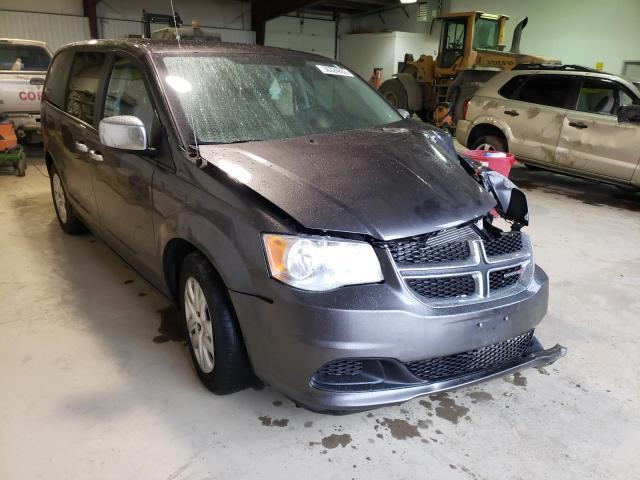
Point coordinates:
[[67, 218], [490, 142], [216, 344]]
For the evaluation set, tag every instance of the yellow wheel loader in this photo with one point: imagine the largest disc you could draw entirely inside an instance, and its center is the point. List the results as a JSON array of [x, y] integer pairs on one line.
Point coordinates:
[[471, 51]]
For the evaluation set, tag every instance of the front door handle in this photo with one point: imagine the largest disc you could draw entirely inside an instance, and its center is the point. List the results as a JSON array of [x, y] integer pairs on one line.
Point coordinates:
[[512, 113], [36, 81], [81, 147], [578, 125], [95, 156]]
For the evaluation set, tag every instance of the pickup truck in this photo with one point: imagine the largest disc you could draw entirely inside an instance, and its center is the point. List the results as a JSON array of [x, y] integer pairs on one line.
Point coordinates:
[[23, 67]]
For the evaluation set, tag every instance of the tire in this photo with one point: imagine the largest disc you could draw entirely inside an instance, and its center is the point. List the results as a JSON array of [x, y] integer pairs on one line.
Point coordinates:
[[394, 92], [226, 369], [533, 168], [67, 218], [21, 167], [493, 141]]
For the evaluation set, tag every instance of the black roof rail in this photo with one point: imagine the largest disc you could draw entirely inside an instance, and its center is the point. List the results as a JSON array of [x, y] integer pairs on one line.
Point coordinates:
[[549, 66]]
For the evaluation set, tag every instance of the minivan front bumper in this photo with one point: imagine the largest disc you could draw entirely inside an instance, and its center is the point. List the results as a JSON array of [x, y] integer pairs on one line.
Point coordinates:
[[290, 339]]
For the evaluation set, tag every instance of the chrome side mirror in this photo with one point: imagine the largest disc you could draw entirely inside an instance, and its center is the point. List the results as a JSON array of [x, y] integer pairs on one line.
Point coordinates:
[[404, 113], [125, 132]]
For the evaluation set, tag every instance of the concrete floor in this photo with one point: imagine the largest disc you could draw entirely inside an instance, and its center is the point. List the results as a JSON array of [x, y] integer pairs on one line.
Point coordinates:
[[95, 385]]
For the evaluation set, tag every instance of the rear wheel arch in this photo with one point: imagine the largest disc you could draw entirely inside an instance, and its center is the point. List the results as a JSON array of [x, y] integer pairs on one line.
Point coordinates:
[[484, 130]]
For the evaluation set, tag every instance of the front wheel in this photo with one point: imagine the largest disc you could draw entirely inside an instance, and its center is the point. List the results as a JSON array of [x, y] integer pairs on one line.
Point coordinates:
[[215, 339]]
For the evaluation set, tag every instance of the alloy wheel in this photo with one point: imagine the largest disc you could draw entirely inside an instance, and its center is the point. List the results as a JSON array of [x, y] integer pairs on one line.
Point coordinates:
[[59, 198], [199, 324], [487, 147]]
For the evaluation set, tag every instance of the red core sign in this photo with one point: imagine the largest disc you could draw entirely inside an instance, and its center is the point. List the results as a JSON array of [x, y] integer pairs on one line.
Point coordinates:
[[30, 95]]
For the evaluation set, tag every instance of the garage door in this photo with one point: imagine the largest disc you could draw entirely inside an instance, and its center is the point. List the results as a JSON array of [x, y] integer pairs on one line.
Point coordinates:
[[314, 36]]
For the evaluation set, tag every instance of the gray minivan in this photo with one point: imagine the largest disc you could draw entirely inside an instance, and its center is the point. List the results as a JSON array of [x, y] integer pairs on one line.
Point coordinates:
[[312, 236]]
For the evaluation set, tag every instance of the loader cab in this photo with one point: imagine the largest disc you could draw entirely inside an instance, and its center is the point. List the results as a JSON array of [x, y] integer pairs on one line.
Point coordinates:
[[461, 33]]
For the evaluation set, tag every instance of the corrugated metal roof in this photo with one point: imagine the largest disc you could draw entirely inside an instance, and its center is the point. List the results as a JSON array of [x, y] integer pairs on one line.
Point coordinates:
[[55, 30]]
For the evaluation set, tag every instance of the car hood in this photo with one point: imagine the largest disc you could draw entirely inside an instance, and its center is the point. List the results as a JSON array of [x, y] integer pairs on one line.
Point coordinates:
[[391, 182]]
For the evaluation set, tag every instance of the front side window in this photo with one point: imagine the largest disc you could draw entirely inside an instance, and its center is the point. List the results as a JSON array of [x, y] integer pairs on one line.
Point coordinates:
[[244, 97], [15, 57], [511, 88], [598, 97], [486, 33], [549, 90], [83, 85], [127, 94]]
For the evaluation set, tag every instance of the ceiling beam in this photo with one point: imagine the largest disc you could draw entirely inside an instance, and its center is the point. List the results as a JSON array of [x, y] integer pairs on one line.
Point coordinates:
[[89, 11]]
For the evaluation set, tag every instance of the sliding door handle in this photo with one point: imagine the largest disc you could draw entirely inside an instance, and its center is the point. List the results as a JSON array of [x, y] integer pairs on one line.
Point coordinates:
[[95, 156], [81, 147]]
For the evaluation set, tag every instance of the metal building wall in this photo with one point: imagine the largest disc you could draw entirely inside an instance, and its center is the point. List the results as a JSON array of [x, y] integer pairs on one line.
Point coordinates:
[[54, 29], [116, 28]]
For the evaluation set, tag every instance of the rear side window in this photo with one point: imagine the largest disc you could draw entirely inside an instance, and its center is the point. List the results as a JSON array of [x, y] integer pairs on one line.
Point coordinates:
[[23, 57], [510, 88], [54, 88], [550, 90], [83, 85], [126, 93]]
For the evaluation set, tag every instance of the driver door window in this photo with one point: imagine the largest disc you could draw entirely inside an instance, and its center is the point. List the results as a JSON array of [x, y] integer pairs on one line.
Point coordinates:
[[127, 94]]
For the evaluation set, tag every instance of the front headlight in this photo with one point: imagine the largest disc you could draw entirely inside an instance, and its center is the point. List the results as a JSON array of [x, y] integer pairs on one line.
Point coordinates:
[[318, 263]]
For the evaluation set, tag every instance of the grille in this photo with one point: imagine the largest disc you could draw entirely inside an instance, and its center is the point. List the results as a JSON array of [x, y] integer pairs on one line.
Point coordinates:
[[417, 253], [484, 358], [340, 368], [441, 247], [506, 243], [504, 278], [443, 287]]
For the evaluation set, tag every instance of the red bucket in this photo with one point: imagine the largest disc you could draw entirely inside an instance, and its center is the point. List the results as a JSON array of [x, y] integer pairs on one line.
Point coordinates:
[[501, 162]]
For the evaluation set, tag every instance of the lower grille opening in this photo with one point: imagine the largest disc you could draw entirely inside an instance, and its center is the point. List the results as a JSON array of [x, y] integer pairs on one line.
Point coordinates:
[[452, 366], [444, 287], [342, 368]]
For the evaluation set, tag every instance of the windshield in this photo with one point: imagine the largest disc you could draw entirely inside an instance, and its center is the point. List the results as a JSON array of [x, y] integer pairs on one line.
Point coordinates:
[[245, 97], [23, 57], [486, 34]]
